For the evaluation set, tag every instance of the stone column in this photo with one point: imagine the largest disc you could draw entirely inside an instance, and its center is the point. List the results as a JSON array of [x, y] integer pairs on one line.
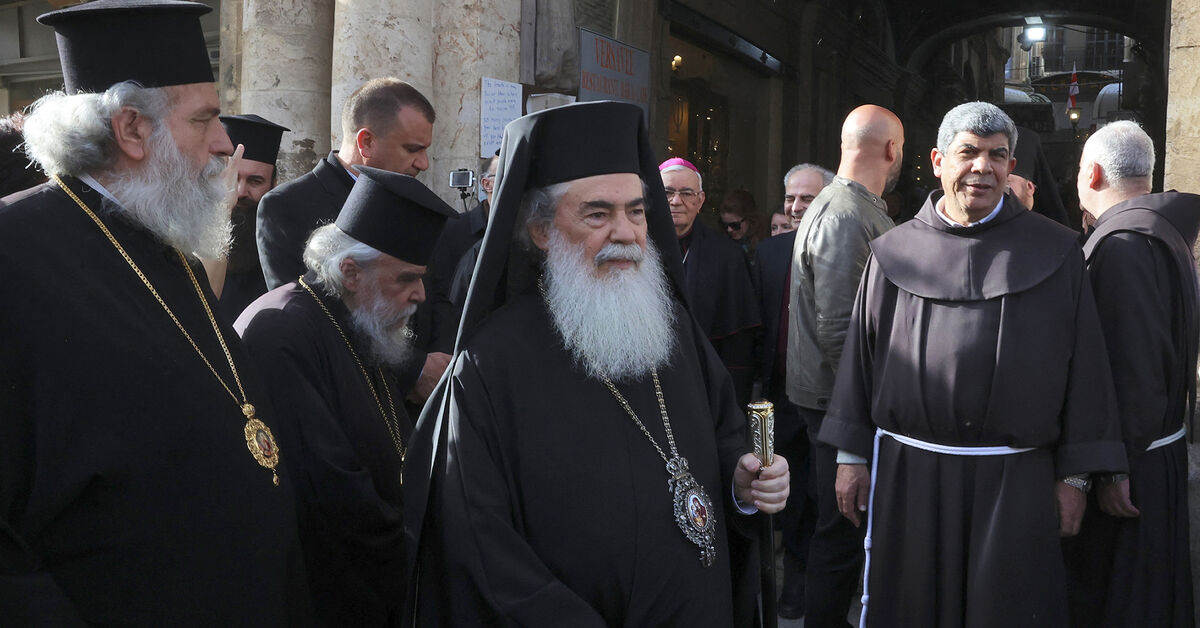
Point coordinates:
[[1182, 172], [378, 38], [286, 55], [1182, 159], [472, 40], [229, 79]]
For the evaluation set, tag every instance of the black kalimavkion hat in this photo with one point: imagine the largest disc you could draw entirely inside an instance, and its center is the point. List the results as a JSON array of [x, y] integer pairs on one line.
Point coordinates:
[[259, 135], [394, 213], [155, 43]]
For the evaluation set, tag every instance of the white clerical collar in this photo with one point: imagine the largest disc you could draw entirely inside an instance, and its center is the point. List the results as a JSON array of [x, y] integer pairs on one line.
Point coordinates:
[[95, 185], [940, 210]]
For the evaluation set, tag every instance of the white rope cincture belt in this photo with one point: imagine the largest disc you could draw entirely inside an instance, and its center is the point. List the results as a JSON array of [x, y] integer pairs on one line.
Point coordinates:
[[926, 446], [1167, 440]]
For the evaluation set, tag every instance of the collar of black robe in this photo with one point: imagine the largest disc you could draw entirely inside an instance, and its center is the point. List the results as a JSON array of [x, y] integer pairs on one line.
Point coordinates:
[[1011, 253], [155, 43], [552, 146]]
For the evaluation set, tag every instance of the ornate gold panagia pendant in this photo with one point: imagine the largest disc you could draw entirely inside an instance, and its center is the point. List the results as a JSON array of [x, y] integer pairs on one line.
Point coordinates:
[[261, 442]]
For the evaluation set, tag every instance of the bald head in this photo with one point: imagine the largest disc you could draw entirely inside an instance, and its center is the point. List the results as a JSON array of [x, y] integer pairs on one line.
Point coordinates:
[[871, 126], [872, 148]]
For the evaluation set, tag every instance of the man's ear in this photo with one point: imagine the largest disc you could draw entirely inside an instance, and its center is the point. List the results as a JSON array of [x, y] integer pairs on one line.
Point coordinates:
[[935, 158], [365, 141], [1095, 175], [539, 233], [131, 132], [351, 274], [889, 150]]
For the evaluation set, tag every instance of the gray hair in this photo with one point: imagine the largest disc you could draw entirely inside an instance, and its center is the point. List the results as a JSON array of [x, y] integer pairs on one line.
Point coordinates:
[[1122, 149], [327, 248], [979, 118], [680, 167], [826, 175], [537, 207], [73, 135]]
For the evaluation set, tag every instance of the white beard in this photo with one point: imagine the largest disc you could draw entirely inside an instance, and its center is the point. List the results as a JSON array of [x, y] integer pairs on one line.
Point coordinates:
[[377, 320], [620, 326], [182, 205]]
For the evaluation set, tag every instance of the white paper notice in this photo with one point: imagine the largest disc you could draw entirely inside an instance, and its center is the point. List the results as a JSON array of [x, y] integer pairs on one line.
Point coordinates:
[[500, 103]]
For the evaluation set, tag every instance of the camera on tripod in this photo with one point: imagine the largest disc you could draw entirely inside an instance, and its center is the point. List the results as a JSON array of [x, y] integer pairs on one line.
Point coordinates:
[[462, 179]]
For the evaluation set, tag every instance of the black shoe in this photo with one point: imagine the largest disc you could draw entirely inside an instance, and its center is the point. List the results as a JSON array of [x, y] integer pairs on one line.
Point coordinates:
[[791, 610]]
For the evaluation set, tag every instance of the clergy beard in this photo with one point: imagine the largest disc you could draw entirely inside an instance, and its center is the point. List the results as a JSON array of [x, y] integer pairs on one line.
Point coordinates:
[[619, 326], [243, 253], [182, 205], [377, 320]]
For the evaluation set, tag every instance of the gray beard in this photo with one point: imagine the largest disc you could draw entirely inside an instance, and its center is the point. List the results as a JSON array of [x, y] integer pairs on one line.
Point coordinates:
[[383, 327], [620, 326], [183, 206]]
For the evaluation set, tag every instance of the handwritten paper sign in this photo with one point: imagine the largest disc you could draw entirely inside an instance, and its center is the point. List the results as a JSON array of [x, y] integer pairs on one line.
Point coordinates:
[[611, 70], [499, 104]]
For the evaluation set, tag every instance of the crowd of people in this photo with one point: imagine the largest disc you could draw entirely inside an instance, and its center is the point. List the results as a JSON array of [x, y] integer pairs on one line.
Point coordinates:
[[337, 401]]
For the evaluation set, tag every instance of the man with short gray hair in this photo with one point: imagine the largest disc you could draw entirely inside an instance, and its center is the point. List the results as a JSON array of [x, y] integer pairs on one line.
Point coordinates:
[[801, 185], [1130, 561], [974, 377]]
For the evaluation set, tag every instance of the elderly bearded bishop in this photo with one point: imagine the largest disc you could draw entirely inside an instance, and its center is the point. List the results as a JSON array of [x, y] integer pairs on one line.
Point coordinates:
[[327, 344], [138, 470], [538, 489]]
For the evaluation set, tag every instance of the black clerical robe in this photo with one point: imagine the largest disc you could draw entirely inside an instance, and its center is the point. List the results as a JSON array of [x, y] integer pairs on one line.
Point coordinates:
[[978, 336], [288, 214], [458, 238], [241, 288], [552, 508], [1136, 572], [721, 297], [128, 495], [344, 459]]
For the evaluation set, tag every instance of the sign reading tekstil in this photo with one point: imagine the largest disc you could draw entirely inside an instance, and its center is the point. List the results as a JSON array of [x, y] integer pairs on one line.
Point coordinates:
[[611, 70]]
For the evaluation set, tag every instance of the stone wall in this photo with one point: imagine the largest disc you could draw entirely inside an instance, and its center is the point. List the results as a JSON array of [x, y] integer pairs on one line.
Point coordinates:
[[287, 51], [1182, 159], [296, 61]]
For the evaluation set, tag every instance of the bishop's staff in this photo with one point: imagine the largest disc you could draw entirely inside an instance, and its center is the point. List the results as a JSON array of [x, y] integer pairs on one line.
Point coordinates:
[[761, 417]]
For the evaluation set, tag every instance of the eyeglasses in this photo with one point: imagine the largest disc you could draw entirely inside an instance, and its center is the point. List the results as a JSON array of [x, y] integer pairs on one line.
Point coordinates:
[[684, 194], [733, 226]]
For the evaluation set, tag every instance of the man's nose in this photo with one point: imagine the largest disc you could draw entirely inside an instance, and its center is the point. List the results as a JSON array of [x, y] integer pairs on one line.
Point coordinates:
[[622, 229]]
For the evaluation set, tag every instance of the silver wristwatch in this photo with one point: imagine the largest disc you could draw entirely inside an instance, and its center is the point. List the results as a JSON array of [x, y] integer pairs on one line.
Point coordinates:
[[1080, 481]]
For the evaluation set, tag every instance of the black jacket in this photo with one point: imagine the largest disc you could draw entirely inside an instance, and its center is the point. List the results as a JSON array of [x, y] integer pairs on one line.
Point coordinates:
[[288, 214]]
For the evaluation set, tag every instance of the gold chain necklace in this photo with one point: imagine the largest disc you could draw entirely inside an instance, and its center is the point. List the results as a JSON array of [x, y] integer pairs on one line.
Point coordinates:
[[693, 507], [259, 439], [393, 421]]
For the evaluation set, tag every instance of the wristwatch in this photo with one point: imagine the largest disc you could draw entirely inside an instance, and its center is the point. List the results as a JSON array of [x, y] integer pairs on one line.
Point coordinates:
[[1080, 481], [1113, 478]]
